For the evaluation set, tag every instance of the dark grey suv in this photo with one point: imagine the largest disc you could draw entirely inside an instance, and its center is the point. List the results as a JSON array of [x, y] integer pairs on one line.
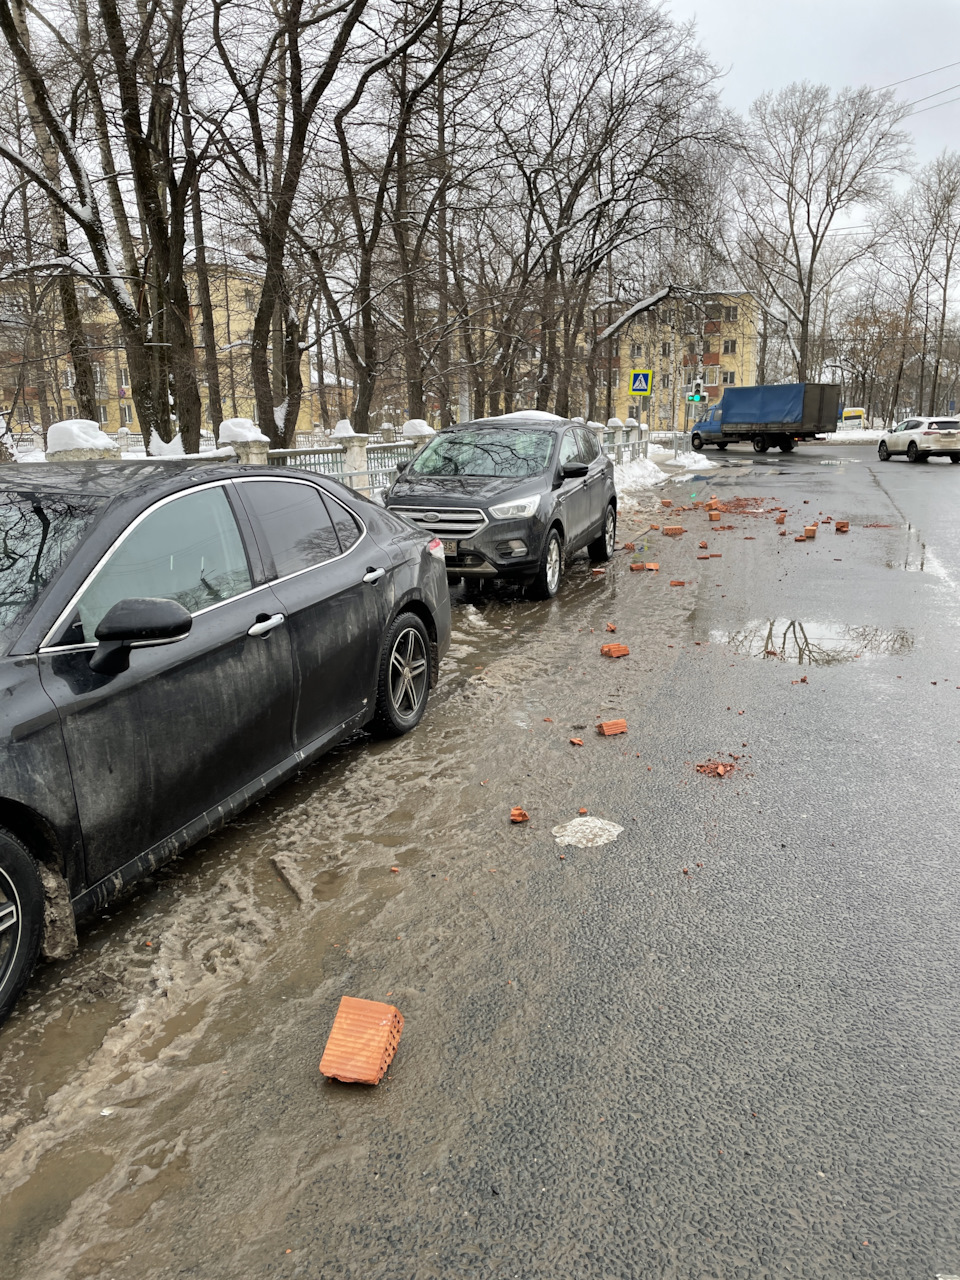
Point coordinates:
[[512, 497]]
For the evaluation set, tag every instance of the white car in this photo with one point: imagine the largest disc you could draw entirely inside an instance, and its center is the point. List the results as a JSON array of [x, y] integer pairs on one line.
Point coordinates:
[[921, 439]]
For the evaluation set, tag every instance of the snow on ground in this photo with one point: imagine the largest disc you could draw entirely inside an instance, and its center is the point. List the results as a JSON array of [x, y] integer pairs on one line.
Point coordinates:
[[639, 474], [857, 436]]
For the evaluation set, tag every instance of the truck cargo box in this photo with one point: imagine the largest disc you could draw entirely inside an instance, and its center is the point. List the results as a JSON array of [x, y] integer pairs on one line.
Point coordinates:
[[804, 407]]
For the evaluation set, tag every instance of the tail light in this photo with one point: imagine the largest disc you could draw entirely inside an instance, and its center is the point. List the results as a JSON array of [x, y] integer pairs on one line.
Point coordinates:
[[435, 547], [930, 433]]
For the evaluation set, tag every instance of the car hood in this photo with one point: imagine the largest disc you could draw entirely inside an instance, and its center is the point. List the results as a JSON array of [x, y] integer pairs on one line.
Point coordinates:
[[450, 491]]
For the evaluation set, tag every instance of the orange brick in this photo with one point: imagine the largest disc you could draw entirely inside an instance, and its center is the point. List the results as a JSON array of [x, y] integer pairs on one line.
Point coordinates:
[[678, 582], [608, 728], [842, 526], [799, 538], [706, 557], [614, 650], [637, 568], [714, 516], [519, 815], [810, 531], [666, 502], [362, 1041], [703, 546], [629, 546], [655, 567], [673, 530], [781, 520]]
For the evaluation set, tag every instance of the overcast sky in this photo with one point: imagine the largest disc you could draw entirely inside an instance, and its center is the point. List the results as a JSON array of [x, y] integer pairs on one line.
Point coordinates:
[[762, 44]]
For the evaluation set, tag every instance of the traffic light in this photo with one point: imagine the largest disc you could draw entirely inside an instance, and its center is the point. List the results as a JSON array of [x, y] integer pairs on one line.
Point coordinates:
[[698, 395]]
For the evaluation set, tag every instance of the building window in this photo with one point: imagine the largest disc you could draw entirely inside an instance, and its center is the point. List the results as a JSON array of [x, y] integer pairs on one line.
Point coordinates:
[[730, 314], [615, 348], [665, 348], [728, 378], [249, 300], [126, 414], [710, 376], [124, 377], [103, 413], [636, 350], [98, 375], [665, 382], [729, 346], [68, 377], [23, 415], [714, 311], [706, 346]]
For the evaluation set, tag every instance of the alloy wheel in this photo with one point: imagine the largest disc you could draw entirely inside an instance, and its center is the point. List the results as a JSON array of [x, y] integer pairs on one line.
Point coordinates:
[[553, 564], [11, 924], [610, 530], [408, 673]]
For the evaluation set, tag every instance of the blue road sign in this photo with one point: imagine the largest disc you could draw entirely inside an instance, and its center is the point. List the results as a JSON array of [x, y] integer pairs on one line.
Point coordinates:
[[640, 380]]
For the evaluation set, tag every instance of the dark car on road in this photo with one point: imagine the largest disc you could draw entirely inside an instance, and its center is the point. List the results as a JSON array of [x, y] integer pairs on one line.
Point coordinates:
[[175, 640], [512, 497]]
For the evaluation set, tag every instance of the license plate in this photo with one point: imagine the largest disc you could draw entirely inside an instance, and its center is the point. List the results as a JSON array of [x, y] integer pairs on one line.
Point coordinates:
[[449, 546]]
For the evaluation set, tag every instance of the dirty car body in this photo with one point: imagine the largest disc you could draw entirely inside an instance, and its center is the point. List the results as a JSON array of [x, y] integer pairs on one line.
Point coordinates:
[[175, 640], [919, 439], [499, 492]]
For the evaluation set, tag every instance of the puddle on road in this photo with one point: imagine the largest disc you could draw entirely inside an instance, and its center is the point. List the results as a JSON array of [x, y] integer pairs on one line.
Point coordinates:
[[814, 643]]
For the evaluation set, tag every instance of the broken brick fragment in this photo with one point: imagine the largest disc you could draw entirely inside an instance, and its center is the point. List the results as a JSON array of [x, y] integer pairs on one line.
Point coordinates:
[[614, 651], [611, 626], [799, 538], [677, 582], [362, 1041], [519, 815], [638, 568], [666, 502], [576, 742], [629, 546], [654, 526], [706, 557], [702, 546], [715, 768], [781, 520], [654, 567], [842, 526], [609, 728]]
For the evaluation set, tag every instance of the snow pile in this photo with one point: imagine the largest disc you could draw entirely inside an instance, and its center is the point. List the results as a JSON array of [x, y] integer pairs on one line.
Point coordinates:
[[639, 474], [31, 455], [343, 428], [77, 433], [414, 427], [242, 430], [158, 448], [613, 422], [856, 436], [538, 415]]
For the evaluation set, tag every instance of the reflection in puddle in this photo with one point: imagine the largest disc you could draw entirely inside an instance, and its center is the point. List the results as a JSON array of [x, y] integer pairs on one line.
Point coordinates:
[[815, 643]]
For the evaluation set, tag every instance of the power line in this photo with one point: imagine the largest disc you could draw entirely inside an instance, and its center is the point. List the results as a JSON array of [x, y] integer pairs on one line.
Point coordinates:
[[920, 76], [927, 97], [935, 106]]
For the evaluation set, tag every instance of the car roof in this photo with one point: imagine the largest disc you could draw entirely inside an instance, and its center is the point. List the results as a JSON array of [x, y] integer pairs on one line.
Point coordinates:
[[109, 479], [521, 421]]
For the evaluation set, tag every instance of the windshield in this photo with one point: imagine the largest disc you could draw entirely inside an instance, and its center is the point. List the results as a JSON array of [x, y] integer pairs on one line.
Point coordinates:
[[37, 533], [514, 454]]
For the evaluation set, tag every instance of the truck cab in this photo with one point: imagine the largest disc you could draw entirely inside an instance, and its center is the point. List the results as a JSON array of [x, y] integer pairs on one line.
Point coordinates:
[[709, 429]]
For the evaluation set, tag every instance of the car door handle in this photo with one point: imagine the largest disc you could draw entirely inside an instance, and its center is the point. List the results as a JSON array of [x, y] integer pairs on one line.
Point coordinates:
[[373, 575], [265, 625]]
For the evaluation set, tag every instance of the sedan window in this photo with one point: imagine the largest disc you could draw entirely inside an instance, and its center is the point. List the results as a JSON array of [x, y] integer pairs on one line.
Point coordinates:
[[294, 521], [188, 549], [348, 530], [37, 532]]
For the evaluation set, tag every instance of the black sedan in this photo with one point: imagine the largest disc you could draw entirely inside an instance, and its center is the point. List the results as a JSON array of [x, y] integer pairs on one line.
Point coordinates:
[[175, 640], [512, 497]]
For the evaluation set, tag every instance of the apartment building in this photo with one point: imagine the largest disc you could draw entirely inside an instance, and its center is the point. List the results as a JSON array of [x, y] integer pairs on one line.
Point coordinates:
[[712, 342]]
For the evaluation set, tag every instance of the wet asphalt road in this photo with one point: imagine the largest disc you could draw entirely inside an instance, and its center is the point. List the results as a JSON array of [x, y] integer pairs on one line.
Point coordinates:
[[610, 1068]]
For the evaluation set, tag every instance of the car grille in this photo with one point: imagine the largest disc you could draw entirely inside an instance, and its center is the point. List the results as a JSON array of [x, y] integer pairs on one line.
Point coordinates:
[[445, 522]]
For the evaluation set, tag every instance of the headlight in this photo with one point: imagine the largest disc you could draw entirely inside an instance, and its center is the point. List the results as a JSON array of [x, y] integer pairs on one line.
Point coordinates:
[[518, 510]]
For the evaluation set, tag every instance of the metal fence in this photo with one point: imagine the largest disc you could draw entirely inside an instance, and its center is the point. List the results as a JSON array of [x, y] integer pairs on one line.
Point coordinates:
[[328, 461]]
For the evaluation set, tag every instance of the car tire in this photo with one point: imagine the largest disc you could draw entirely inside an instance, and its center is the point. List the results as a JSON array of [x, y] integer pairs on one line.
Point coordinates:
[[602, 548], [546, 582], [760, 444], [913, 453], [696, 441], [883, 453], [724, 445], [786, 445], [406, 670], [955, 457], [21, 919]]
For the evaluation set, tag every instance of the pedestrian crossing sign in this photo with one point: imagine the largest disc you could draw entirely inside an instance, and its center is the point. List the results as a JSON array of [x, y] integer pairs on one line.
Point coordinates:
[[640, 380]]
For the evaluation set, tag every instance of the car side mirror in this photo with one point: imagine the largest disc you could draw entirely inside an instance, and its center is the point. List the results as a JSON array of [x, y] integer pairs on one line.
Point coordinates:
[[573, 470], [139, 621], [402, 466]]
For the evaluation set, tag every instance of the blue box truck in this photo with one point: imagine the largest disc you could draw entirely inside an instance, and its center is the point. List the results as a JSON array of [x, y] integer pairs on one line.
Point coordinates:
[[770, 415]]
